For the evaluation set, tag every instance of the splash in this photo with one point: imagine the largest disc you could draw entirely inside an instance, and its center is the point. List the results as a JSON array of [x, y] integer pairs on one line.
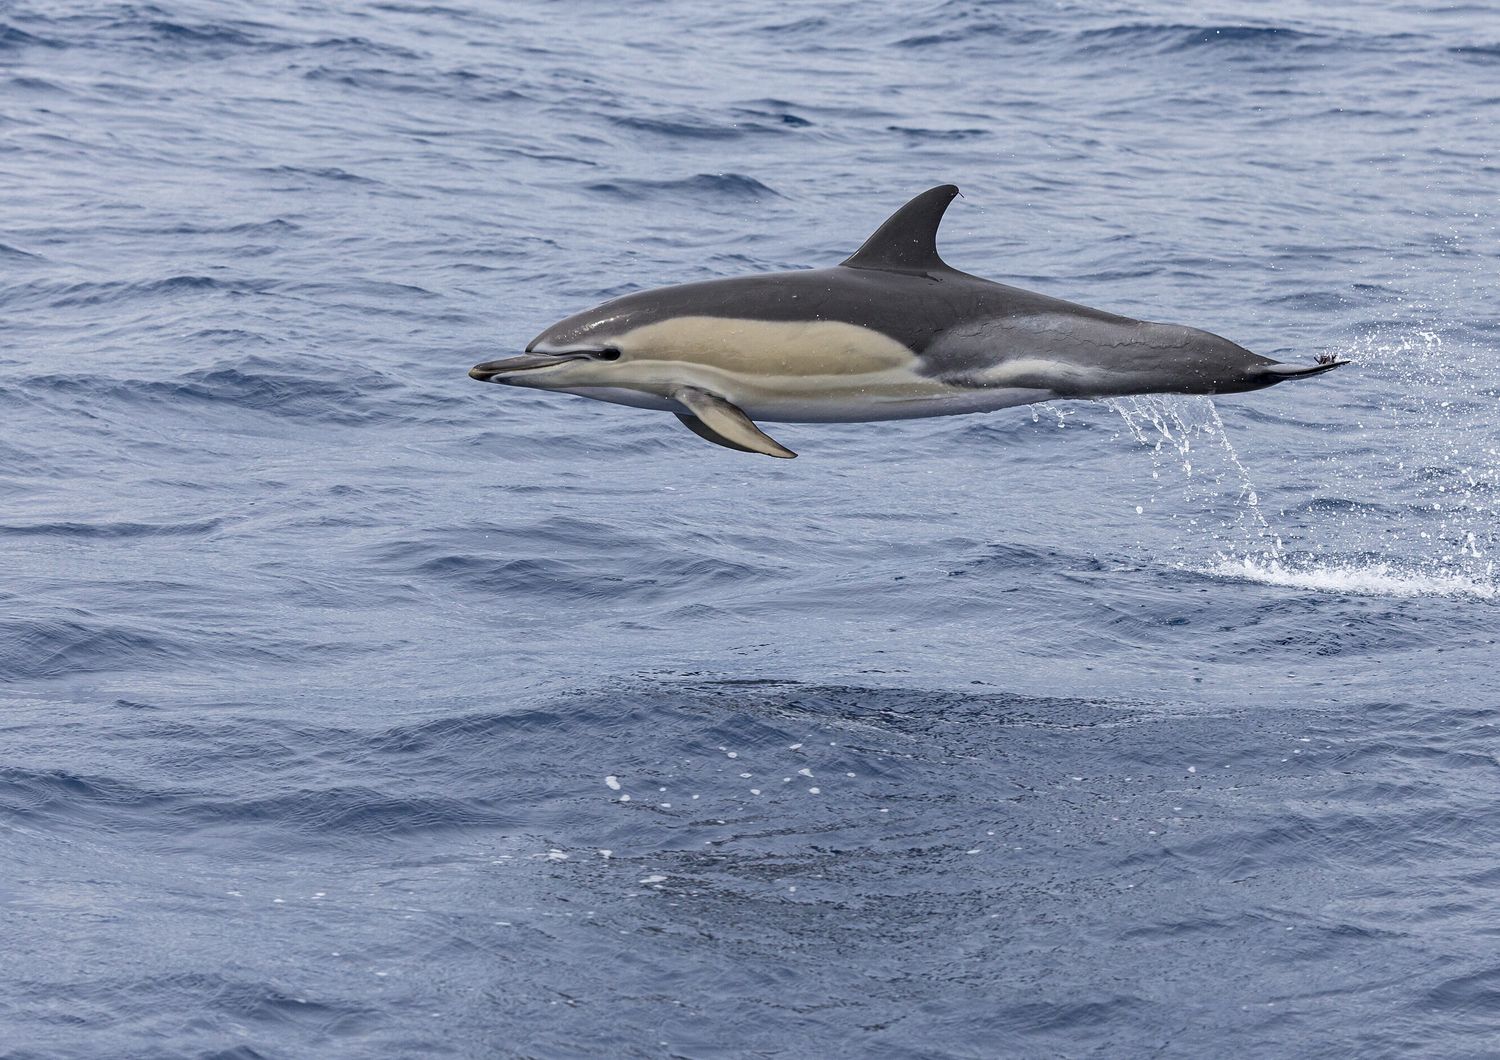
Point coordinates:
[[1190, 446], [1373, 579], [1401, 502]]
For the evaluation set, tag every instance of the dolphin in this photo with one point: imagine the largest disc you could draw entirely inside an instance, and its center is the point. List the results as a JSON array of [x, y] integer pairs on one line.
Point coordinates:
[[892, 332]]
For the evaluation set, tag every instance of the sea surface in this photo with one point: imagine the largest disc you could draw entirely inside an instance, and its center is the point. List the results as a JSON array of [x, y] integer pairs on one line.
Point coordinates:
[[350, 708]]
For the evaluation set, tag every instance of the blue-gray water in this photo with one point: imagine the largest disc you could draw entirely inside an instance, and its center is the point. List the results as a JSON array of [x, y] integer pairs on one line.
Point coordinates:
[[1162, 727]]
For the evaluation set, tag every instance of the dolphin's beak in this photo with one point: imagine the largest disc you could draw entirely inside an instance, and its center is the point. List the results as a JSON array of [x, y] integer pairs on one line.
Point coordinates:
[[511, 365], [1275, 373]]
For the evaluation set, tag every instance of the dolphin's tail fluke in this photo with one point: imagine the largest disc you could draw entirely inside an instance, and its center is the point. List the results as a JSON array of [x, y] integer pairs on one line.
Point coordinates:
[[1275, 373]]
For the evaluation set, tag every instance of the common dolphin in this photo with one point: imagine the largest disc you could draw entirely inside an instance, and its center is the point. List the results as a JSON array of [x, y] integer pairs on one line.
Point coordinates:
[[892, 332]]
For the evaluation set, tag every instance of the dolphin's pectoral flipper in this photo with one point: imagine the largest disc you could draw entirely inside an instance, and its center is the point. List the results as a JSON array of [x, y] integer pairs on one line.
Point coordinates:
[[702, 430], [723, 423]]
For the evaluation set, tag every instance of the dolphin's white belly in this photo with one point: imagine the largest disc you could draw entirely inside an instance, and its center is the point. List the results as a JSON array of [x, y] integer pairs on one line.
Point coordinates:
[[952, 402], [836, 405]]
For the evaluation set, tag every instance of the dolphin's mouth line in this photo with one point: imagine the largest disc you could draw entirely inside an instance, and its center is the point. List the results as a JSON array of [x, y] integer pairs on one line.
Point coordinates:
[[534, 360], [525, 363]]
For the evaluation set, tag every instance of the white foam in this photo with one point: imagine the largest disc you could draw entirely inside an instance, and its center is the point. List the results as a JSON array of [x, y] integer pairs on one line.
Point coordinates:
[[1376, 579]]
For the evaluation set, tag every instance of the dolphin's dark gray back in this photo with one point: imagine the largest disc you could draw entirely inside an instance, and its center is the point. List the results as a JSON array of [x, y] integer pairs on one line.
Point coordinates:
[[895, 284]]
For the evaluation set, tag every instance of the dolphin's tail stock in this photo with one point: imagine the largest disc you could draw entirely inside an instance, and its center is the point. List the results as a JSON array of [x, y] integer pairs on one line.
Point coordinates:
[[1275, 373]]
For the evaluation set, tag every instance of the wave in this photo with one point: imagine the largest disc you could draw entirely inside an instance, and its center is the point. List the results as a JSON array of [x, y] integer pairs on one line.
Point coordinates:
[[806, 26], [110, 530], [201, 33], [17, 254], [183, 39], [14, 38], [328, 782], [1158, 38], [681, 128], [777, 111], [278, 391], [56, 295], [354, 811], [939, 135], [463, 85], [702, 185], [363, 46], [742, 122], [1481, 53], [36, 84], [273, 226], [1176, 37], [53, 647], [333, 173], [570, 561], [55, 793]]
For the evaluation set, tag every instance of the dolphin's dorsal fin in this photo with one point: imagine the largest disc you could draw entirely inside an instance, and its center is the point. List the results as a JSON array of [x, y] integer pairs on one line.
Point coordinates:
[[908, 239]]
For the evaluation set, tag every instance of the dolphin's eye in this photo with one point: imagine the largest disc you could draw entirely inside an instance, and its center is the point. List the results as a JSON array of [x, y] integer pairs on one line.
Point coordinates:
[[609, 353]]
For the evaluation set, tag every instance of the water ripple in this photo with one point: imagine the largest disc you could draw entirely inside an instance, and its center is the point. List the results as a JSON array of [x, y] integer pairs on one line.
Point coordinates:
[[354, 709]]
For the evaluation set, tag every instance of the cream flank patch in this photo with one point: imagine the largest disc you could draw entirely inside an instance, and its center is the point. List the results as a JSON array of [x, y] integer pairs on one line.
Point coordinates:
[[768, 347], [782, 371]]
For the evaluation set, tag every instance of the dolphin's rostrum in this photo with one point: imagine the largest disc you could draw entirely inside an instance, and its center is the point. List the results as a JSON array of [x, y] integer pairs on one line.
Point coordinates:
[[890, 333]]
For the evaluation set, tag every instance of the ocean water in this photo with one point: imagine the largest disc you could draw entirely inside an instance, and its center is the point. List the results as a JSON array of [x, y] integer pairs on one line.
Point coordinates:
[[351, 708]]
